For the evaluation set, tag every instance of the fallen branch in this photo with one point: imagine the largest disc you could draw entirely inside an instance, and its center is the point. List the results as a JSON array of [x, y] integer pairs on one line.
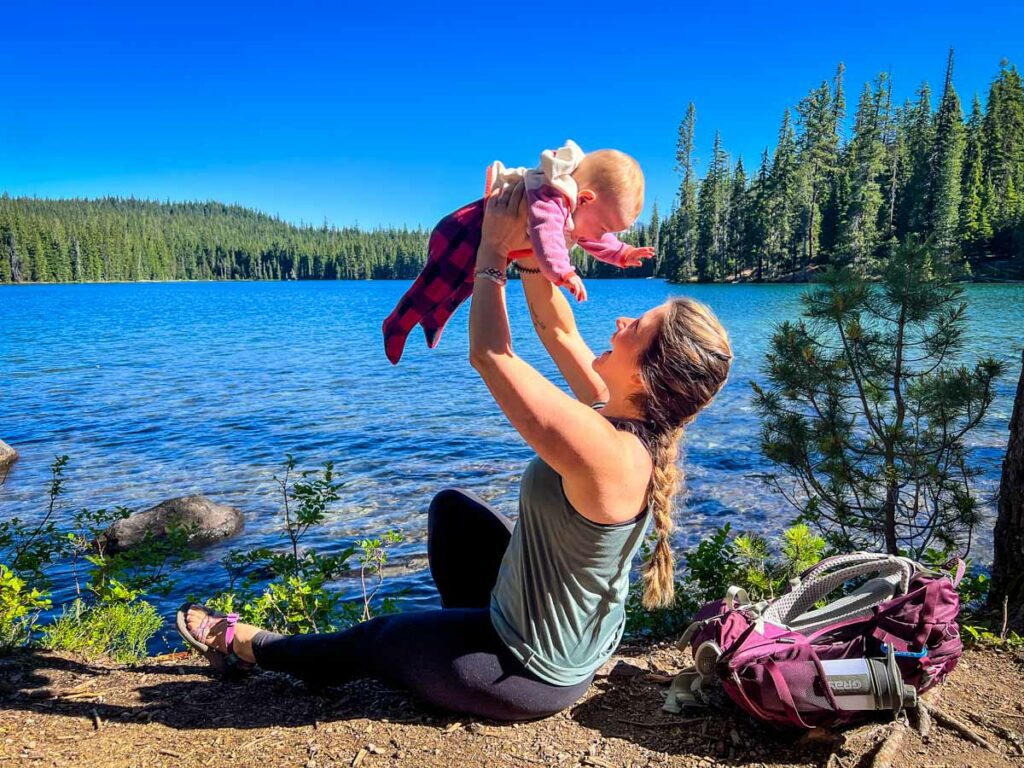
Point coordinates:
[[999, 730], [175, 656], [962, 728], [890, 746], [924, 721], [641, 724]]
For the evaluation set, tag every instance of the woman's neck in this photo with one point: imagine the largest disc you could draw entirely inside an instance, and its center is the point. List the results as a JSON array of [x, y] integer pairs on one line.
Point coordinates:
[[621, 408]]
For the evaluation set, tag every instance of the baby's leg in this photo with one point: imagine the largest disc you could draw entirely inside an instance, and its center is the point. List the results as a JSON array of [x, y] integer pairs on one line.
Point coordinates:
[[434, 322], [451, 256]]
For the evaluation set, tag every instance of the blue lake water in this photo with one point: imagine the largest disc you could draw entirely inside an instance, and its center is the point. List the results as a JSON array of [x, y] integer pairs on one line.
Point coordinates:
[[161, 390]]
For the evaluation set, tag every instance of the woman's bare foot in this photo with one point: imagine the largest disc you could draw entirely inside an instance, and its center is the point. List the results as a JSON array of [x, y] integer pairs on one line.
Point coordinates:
[[241, 643]]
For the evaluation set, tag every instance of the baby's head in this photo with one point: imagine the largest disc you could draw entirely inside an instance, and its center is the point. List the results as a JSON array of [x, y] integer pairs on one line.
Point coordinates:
[[611, 193]]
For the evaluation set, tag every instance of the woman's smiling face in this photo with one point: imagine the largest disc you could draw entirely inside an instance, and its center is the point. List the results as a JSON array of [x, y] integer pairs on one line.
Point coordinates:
[[620, 365]]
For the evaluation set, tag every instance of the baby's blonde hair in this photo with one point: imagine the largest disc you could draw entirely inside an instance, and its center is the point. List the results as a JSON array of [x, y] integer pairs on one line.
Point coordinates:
[[615, 173]]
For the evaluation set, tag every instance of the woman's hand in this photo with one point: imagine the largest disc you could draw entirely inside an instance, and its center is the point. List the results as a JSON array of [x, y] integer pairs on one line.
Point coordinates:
[[504, 230]]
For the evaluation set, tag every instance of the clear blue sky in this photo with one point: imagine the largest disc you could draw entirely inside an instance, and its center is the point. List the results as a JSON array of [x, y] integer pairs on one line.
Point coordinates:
[[388, 113]]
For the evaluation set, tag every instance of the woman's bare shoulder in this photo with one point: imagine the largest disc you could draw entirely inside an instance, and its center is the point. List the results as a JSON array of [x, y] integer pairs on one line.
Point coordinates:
[[617, 491]]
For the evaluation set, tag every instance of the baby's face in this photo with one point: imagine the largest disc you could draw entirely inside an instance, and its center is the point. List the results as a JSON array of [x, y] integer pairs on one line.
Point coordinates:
[[596, 215]]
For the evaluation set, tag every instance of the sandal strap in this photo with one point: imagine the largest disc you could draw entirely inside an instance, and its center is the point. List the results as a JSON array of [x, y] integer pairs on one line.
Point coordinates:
[[203, 630], [229, 633]]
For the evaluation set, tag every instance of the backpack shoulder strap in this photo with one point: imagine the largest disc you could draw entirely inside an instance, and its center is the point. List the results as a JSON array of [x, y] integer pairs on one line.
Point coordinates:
[[822, 579]]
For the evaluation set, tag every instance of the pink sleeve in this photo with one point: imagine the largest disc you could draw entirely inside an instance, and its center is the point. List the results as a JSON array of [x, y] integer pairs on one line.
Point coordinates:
[[547, 216], [608, 249]]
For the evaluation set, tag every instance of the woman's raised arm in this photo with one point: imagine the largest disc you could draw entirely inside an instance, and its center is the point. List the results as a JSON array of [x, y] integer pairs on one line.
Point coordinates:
[[556, 328], [574, 439]]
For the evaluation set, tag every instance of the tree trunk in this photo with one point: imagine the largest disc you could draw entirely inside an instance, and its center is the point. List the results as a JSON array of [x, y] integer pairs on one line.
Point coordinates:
[[1008, 566]]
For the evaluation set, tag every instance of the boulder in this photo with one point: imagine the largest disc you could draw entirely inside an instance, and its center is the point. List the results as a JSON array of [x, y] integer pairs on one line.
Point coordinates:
[[213, 523], [7, 455]]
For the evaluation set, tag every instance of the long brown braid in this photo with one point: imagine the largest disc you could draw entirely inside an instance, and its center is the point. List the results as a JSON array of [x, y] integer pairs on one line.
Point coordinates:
[[682, 370]]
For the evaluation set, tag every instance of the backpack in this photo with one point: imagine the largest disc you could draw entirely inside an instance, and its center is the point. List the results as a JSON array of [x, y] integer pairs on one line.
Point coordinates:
[[771, 656]]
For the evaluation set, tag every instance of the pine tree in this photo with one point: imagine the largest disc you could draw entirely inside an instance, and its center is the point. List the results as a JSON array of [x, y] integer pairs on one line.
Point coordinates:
[[858, 237], [895, 167], [1003, 131], [757, 221], [711, 215], [1008, 561], [915, 213], [654, 239], [974, 228], [835, 201], [819, 146], [736, 236], [946, 168], [784, 236], [863, 418], [685, 230]]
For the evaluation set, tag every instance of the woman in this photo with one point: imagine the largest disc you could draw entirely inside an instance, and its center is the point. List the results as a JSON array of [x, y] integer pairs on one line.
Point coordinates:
[[531, 611]]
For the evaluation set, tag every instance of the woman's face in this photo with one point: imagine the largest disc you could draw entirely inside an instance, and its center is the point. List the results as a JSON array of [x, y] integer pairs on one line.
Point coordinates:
[[620, 365]]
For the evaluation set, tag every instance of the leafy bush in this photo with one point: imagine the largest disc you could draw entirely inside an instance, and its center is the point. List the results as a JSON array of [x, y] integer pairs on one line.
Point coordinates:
[[19, 607], [146, 568], [746, 560], [107, 615], [116, 628], [287, 590], [27, 550], [720, 561]]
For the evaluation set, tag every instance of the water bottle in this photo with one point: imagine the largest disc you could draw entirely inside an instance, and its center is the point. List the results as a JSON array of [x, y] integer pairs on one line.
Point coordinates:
[[869, 684]]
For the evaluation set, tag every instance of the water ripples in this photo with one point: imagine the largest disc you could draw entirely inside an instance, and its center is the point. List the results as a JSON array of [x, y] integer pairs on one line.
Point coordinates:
[[160, 390]]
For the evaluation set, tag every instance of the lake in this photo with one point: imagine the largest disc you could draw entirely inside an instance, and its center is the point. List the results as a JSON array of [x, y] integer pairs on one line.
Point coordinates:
[[166, 389]]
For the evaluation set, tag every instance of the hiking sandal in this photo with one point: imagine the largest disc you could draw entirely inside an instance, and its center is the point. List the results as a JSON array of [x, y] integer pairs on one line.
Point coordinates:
[[227, 664]]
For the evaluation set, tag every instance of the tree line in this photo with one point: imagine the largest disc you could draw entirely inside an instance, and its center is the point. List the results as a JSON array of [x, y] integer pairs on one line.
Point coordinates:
[[906, 170], [128, 239], [818, 199]]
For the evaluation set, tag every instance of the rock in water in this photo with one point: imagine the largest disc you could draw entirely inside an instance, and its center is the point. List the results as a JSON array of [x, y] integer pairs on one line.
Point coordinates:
[[213, 522], [7, 455]]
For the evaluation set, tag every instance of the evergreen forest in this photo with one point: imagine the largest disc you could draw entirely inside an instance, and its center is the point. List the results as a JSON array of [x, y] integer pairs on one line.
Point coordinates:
[[832, 191]]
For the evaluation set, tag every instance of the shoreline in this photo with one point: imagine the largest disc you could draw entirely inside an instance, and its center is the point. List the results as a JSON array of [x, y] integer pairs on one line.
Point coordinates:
[[64, 709], [782, 281]]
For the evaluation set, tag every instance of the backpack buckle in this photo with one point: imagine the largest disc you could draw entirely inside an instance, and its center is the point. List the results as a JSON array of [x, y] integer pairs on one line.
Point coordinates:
[[687, 688]]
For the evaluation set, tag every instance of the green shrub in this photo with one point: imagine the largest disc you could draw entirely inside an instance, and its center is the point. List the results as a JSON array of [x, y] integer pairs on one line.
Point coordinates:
[[19, 607], [27, 550], [119, 629], [286, 590], [107, 614], [718, 562]]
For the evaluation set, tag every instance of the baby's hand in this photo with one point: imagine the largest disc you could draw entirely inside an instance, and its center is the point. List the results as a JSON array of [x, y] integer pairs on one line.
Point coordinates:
[[635, 256], [575, 286]]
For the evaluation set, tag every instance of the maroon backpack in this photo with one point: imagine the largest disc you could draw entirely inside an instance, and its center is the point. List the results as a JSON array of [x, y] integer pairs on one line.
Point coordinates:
[[781, 660]]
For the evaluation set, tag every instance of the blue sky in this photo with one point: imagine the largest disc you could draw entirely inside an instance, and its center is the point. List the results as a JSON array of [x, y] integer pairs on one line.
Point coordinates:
[[388, 113]]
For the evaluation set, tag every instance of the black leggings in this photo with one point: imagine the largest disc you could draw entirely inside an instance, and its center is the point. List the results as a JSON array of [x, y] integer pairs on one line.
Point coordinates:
[[451, 658]]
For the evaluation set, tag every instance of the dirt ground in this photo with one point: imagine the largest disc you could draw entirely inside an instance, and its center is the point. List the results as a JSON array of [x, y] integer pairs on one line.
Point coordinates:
[[67, 711]]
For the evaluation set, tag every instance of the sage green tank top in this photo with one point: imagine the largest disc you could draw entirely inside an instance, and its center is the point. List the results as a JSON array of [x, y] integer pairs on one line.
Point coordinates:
[[559, 600]]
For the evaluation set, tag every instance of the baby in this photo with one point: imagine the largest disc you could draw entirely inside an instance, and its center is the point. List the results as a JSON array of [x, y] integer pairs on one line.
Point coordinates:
[[573, 198]]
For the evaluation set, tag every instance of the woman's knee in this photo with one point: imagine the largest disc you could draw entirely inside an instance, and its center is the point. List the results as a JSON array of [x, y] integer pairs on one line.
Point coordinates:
[[449, 502]]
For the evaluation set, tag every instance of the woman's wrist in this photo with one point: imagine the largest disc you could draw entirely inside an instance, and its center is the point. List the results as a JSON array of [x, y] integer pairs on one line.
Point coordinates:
[[490, 258], [496, 276]]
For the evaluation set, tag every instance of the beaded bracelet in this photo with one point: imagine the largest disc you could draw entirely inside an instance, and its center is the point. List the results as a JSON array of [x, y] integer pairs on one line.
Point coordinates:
[[492, 274]]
